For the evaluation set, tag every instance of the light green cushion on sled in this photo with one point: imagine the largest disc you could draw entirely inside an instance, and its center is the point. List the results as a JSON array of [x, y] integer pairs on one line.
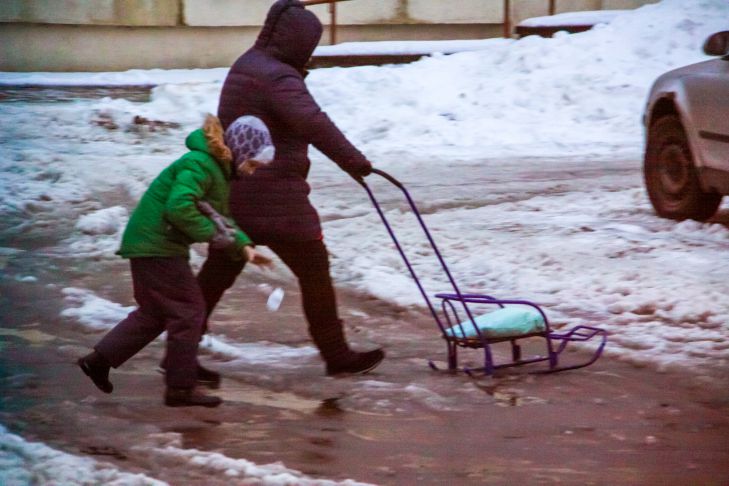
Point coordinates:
[[505, 322]]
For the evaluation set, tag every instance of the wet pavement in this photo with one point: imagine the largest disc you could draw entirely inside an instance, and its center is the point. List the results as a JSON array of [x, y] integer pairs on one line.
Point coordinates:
[[611, 423]]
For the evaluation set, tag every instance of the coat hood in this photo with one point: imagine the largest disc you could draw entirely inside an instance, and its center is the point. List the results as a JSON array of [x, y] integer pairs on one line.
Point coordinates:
[[209, 139], [290, 33]]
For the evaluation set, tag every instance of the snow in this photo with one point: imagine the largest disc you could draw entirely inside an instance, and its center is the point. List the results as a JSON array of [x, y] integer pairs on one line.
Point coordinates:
[[588, 17], [23, 462], [403, 48], [258, 353], [532, 96], [92, 311], [169, 446], [107, 221], [446, 125], [132, 77]]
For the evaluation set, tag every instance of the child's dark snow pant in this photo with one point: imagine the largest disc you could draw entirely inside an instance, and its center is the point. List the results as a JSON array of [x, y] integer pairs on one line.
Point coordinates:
[[309, 261], [169, 299]]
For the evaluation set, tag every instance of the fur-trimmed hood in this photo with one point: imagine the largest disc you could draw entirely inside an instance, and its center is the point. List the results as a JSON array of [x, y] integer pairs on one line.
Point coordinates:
[[209, 139]]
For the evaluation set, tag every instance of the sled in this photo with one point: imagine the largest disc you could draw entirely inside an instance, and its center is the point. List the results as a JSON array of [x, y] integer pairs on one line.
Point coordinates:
[[505, 320]]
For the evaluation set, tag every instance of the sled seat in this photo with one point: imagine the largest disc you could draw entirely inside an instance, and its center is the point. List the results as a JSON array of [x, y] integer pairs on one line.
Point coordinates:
[[504, 323]]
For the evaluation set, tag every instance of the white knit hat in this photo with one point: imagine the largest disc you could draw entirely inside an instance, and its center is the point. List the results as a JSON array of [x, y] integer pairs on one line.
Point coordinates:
[[248, 138]]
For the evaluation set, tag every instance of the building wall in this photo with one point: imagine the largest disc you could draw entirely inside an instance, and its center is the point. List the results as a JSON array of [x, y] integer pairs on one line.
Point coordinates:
[[108, 35], [92, 12]]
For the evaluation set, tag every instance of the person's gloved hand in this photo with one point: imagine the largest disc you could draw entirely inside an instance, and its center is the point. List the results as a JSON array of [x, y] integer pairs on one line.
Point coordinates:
[[365, 169], [223, 240], [360, 171], [252, 256]]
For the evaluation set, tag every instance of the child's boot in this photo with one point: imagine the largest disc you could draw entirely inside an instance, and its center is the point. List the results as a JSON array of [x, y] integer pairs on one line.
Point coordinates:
[[96, 367], [205, 377], [190, 397]]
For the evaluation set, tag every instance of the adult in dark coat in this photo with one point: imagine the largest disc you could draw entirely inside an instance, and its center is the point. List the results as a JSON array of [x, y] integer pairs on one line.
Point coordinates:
[[273, 205]]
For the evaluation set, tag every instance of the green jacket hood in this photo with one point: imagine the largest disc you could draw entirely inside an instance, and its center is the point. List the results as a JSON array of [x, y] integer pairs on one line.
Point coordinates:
[[196, 141]]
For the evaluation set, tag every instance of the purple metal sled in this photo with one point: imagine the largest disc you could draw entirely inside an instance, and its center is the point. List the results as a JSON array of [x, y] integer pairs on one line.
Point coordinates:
[[509, 320]]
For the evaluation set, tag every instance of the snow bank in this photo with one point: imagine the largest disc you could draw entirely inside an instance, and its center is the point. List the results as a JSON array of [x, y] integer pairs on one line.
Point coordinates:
[[572, 94], [23, 463], [257, 353], [587, 18], [403, 47], [108, 221], [92, 311], [132, 77], [239, 471]]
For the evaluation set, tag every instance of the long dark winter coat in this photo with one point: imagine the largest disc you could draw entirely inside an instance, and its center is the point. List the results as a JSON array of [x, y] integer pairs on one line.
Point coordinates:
[[267, 81]]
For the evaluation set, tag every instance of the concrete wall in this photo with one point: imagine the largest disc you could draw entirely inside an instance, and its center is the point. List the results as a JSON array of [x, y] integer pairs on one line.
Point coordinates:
[[108, 35], [92, 12], [110, 48]]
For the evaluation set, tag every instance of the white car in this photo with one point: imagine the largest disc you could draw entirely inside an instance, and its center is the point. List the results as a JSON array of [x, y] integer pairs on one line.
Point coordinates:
[[686, 164]]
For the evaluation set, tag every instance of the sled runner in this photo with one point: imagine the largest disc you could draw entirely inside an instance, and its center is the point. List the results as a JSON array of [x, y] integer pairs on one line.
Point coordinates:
[[498, 320]]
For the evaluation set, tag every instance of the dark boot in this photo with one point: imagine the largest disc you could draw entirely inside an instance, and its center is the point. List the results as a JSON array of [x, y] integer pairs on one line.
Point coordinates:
[[356, 363], [208, 378], [190, 397], [96, 367], [205, 377], [339, 358]]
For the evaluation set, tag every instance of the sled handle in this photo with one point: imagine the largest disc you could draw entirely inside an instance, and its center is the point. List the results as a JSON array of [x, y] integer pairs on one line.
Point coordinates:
[[438, 254], [387, 176], [425, 229]]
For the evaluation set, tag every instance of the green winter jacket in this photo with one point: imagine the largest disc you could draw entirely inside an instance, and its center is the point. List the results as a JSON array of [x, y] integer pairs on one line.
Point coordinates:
[[167, 221]]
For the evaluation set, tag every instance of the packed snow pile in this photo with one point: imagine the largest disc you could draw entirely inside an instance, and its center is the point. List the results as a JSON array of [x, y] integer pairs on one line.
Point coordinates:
[[92, 311], [581, 93], [23, 463], [571, 94], [239, 471], [586, 18]]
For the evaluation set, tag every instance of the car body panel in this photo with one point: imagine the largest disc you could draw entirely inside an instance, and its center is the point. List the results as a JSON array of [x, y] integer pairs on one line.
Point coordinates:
[[700, 95], [707, 98]]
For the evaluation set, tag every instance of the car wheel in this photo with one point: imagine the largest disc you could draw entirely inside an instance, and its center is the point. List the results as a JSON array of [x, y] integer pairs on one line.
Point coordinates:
[[670, 174]]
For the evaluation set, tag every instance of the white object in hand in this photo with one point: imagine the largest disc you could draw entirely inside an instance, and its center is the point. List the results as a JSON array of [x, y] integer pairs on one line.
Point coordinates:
[[274, 300]]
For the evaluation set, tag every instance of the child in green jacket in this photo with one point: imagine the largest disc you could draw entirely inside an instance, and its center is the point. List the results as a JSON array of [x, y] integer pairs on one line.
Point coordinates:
[[185, 204]]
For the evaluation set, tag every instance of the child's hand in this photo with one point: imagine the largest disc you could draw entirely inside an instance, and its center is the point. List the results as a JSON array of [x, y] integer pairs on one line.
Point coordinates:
[[256, 258], [223, 240]]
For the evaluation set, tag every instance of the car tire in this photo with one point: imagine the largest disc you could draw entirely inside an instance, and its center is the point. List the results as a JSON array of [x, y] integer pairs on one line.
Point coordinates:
[[670, 174]]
